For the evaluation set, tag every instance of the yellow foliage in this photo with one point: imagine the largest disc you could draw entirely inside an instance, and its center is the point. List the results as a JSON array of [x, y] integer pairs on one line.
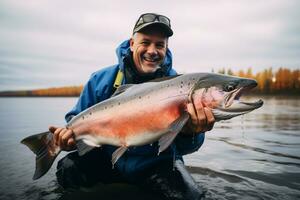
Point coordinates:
[[61, 91], [284, 80]]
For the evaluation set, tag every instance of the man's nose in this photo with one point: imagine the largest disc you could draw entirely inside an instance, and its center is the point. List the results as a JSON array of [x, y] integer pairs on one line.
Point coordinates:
[[152, 49]]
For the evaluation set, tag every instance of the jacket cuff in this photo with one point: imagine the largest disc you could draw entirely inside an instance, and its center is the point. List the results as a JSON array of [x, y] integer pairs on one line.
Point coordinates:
[[189, 144]]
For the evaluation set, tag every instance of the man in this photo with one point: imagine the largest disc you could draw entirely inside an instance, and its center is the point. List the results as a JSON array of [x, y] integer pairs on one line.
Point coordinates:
[[144, 57]]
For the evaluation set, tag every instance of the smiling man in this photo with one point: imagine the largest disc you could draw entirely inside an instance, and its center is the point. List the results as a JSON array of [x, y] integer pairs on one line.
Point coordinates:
[[140, 59], [149, 50]]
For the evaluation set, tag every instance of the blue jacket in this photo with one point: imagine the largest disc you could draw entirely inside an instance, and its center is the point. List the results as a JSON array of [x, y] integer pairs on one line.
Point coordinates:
[[100, 87]]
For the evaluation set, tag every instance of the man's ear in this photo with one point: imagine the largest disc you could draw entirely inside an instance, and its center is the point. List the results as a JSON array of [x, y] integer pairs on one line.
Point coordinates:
[[131, 41]]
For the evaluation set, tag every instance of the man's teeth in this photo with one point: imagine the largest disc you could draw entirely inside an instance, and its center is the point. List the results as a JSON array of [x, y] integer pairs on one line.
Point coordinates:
[[151, 59]]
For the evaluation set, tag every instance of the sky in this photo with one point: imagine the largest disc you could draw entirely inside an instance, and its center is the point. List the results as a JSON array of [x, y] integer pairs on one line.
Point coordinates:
[[52, 43]]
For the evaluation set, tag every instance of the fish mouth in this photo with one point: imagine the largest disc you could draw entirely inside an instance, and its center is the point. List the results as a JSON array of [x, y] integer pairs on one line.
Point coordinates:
[[243, 107], [232, 105]]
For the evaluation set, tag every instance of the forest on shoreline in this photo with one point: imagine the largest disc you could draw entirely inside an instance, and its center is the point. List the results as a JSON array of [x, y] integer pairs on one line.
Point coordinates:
[[284, 81]]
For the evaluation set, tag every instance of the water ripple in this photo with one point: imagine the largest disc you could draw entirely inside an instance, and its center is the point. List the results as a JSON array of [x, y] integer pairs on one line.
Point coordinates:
[[256, 149], [212, 173], [275, 179], [278, 162]]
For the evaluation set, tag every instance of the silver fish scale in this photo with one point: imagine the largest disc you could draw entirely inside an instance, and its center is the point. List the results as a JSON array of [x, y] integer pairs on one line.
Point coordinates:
[[179, 86]]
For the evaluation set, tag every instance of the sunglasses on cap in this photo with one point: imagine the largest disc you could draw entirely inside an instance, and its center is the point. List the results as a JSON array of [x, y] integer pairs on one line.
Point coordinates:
[[151, 17]]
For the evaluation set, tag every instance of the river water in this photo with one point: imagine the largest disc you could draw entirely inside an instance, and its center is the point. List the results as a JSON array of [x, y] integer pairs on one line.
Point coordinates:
[[256, 156]]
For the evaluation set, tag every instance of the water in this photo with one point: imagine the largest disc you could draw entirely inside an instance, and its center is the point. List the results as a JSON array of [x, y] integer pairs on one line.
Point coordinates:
[[254, 157]]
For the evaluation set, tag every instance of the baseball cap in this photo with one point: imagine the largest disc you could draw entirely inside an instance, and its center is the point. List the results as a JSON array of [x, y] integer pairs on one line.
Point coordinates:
[[147, 20]]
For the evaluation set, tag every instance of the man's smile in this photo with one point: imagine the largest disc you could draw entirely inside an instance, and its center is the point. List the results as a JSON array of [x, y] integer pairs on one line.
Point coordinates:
[[152, 59]]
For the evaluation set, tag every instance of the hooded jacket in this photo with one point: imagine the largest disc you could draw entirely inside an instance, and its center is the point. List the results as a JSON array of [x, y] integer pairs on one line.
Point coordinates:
[[137, 159]]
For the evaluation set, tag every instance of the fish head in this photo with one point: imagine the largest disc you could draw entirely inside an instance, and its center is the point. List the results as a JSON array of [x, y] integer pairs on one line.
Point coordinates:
[[222, 94]]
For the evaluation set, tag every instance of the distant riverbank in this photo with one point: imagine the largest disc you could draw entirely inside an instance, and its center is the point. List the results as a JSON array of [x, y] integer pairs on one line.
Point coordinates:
[[71, 91]]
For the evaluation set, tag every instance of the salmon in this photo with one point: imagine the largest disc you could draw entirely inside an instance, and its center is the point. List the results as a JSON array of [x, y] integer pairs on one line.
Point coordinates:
[[140, 114]]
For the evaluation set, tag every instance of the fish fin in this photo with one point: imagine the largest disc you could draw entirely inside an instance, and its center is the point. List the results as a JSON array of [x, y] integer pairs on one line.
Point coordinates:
[[42, 145], [173, 130], [121, 89], [117, 154], [164, 78], [84, 146]]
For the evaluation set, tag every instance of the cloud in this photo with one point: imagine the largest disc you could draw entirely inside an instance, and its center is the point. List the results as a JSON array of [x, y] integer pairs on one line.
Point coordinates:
[[46, 43]]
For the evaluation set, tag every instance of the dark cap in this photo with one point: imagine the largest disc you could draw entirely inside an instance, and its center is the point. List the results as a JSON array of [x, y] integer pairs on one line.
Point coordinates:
[[148, 20]]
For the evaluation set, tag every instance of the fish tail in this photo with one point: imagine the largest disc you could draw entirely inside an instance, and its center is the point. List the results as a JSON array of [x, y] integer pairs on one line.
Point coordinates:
[[43, 146]]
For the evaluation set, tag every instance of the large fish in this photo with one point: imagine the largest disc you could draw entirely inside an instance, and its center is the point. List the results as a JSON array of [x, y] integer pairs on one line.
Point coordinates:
[[141, 114]]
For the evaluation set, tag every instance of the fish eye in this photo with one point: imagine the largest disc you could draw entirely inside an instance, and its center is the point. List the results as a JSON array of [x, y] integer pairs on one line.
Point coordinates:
[[229, 88]]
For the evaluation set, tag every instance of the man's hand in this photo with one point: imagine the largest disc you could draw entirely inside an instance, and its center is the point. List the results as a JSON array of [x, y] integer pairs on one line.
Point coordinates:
[[201, 119], [63, 137]]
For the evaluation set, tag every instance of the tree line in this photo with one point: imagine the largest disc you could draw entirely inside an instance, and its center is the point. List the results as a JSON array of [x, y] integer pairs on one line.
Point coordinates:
[[48, 92], [282, 81]]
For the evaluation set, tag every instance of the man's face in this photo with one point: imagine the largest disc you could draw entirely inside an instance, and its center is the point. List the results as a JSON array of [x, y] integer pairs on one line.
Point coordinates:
[[149, 51]]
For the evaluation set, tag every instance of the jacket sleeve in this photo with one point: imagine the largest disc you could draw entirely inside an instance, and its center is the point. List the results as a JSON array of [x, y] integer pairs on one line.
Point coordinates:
[[87, 98], [189, 144]]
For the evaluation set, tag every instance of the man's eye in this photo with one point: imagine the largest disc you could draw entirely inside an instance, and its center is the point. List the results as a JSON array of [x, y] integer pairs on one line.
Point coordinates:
[[145, 43], [160, 46]]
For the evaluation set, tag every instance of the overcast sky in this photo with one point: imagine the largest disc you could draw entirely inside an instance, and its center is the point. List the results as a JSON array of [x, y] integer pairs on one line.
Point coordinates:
[[58, 43]]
